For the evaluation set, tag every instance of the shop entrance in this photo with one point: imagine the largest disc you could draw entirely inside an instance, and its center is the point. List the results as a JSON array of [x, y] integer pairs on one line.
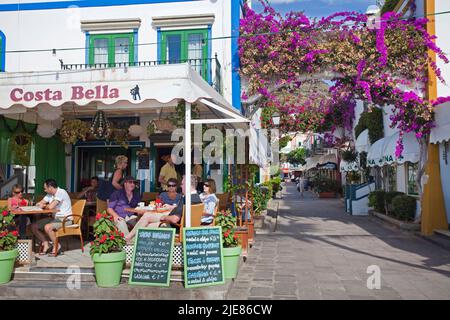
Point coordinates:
[[100, 162]]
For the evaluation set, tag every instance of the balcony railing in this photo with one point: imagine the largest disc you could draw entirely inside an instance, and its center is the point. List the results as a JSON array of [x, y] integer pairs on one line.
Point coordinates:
[[210, 68]]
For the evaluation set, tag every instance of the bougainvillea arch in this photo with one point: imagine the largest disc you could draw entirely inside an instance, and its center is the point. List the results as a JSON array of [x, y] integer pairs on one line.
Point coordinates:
[[382, 61]]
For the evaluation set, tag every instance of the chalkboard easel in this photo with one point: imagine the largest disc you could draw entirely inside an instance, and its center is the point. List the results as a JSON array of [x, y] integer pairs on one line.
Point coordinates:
[[203, 257], [152, 257]]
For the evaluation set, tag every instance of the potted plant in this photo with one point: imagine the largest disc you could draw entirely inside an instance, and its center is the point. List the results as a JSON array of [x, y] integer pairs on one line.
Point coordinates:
[[107, 251], [8, 245], [231, 248], [325, 187], [260, 199]]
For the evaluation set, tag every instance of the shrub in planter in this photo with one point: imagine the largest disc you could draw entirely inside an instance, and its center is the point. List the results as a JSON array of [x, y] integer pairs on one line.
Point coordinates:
[[376, 200], [404, 207], [388, 197], [8, 245], [231, 248], [107, 251]]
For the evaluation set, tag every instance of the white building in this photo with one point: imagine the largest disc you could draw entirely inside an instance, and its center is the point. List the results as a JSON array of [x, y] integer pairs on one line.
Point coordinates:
[[85, 56]]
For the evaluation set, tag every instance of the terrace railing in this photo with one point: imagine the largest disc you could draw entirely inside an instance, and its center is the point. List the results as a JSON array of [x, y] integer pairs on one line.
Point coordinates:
[[210, 68]]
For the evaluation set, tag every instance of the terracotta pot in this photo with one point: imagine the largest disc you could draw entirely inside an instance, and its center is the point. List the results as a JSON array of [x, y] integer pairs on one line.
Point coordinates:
[[327, 195]]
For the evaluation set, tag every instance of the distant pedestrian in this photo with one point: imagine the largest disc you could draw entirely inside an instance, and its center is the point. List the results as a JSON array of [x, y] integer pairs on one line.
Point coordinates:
[[301, 185]]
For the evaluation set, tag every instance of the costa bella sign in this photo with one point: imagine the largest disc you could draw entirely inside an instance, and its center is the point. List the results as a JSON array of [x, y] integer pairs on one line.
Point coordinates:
[[75, 93]]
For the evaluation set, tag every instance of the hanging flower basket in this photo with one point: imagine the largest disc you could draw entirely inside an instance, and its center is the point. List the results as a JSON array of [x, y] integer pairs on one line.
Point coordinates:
[[21, 146], [121, 137], [73, 130]]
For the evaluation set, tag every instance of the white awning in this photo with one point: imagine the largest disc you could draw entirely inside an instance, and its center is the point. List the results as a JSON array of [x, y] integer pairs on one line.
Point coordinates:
[[348, 166], [328, 158], [362, 143], [382, 152], [311, 163], [411, 149], [441, 132], [112, 89], [375, 153]]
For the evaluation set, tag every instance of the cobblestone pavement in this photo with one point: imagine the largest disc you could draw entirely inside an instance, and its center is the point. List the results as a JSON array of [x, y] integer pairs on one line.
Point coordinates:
[[319, 252]]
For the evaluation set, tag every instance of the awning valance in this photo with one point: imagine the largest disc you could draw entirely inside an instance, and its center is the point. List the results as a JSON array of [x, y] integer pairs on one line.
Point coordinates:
[[411, 149], [348, 166], [362, 143], [160, 84], [441, 131]]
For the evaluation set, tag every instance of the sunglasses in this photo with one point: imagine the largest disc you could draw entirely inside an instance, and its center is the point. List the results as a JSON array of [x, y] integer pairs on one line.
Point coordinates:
[[17, 192], [206, 185], [172, 185]]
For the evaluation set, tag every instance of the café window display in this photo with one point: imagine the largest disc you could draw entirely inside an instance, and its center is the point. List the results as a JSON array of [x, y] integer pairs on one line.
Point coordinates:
[[411, 177]]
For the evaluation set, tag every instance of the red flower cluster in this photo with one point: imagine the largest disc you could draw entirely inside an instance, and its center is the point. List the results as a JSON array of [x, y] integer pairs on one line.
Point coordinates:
[[15, 233], [103, 239], [226, 234], [5, 213], [103, 215], [3, 234]]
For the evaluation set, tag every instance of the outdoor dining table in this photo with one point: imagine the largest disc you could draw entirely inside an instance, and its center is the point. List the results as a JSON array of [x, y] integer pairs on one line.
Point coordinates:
[[142, 211], [43, 211]]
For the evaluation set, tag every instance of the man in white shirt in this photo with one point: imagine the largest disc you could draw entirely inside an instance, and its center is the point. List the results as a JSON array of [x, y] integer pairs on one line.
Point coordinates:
[[57, 199]]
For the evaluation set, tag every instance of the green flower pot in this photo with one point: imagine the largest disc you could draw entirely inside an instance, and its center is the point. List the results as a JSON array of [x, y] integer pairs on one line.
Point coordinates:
[[108, 268], [231, 259], [7, 260]]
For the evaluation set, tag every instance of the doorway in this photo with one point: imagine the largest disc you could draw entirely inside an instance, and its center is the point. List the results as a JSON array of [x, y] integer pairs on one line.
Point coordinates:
[[100, 162]]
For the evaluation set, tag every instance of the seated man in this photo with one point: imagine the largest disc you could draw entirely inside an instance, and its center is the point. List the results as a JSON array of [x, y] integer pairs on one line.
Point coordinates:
[[127, 197], [90, 193], [153, 220], [58, 199]]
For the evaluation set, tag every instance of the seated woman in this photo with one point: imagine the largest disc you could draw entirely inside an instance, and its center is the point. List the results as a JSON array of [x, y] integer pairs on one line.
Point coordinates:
[[14, 203], [171, 197], [210, 200]]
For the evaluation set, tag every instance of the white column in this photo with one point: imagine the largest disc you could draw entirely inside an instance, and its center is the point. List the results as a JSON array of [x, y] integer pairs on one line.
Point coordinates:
[[187, 162]]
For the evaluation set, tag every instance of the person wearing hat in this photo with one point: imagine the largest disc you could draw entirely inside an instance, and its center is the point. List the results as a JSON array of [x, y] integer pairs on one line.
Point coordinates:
[[127, 197]]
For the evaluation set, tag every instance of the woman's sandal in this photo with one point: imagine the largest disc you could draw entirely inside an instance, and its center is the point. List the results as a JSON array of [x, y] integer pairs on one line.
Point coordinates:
[[52, 254], [42, 252]]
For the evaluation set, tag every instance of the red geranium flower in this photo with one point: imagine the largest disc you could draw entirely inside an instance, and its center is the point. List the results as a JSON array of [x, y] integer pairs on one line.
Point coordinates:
[[98, 216], [121, 234], [235, 236], [15, 233], [111, 238], [5, 213]]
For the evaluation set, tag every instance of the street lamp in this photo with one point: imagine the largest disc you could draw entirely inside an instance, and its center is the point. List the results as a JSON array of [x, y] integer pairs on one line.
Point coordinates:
[[276, 119]]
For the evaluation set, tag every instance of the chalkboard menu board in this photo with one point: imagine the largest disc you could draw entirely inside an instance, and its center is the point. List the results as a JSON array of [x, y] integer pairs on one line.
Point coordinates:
[[152, 257], [203, 256]]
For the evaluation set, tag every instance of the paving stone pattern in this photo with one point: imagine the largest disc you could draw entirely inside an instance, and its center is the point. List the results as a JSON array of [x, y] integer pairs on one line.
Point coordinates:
[[320, 252]]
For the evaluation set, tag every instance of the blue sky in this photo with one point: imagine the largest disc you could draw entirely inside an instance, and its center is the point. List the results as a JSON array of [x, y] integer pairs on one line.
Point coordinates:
[[317, 8]]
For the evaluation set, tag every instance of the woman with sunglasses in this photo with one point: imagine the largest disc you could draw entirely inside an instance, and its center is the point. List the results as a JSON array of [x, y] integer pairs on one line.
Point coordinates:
[[14, 203], [171, 197], [210, 200]]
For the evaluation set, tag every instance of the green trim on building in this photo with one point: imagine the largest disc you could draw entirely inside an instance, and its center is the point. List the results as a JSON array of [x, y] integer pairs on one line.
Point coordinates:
[[111, 40]]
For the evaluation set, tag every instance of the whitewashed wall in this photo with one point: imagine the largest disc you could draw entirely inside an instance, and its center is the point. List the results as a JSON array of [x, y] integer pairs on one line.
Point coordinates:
[[60, 28]]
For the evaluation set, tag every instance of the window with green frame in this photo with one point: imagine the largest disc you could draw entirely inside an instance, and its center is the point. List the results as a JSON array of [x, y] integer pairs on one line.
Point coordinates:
[[111, 48], [412, 169], [178, 46]]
